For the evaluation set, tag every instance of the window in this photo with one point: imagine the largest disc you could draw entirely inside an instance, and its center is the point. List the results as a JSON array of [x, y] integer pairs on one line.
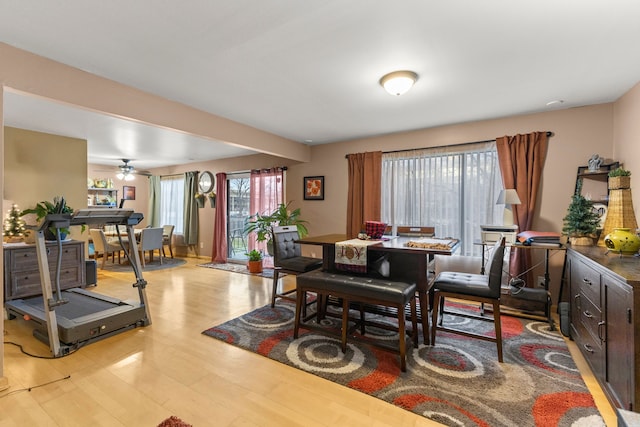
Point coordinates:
[[172, 202], [453, 189]]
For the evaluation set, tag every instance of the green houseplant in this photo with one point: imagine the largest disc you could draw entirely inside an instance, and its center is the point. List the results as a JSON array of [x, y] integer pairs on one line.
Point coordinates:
[[262, 224], [44, 208], [255, 261], [581, 222]]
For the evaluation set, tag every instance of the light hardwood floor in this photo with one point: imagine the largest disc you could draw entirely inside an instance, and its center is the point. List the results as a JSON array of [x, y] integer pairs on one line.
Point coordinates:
[[142, 376]]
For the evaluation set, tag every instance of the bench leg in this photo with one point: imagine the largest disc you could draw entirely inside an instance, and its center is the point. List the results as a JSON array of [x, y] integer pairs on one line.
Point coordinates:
[[434, 317], [345, 323], [402, 338], [414, 323], [424, 315], [299, 302]]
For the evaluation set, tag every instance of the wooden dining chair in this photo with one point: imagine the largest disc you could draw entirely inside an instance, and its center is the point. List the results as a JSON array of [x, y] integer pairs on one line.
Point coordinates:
[[481, 288], [104, 246], [287, 258], [150, 240], [167, 236]]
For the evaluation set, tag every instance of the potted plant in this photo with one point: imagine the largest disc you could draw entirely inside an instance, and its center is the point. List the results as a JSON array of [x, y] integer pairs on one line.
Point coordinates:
[[582, 221], [255, 261], [262, 224], [44, 208], [199, 199], [212, 199], [619, 178]]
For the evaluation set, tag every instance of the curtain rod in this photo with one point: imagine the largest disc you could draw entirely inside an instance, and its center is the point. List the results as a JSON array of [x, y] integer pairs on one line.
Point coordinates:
[[176, 174], [284, 168], [549, 134]]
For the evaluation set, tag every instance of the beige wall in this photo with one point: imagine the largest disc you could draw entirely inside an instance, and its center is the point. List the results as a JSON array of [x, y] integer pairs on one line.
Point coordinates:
[[626, 138], [578, 133], [39, 166], [207, 214]]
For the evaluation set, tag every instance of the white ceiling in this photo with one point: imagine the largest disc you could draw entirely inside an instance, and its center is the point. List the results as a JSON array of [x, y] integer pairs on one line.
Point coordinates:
[[309, 71]]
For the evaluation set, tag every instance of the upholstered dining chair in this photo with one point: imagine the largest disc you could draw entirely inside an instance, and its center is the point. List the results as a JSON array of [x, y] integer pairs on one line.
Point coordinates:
[[287, 258], [104, 246], [482, 288], [150, 240], [167, 236]]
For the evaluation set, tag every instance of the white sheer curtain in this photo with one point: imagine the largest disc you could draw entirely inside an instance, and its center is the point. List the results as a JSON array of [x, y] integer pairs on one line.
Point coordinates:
[[172, 202], [453, 189]]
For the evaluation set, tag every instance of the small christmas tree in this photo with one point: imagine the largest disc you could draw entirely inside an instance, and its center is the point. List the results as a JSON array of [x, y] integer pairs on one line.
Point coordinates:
[[581, 219], [14, 226]]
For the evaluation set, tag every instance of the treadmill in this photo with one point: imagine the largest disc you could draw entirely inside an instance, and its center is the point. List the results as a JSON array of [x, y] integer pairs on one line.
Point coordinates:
[[67, 320]]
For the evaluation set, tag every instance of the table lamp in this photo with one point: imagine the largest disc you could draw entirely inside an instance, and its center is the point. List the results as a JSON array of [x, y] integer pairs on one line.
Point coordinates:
[[508, 197]]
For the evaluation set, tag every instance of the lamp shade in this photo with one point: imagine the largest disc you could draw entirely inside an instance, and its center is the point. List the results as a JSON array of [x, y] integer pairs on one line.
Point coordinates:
[[508, 197], [398, 82]]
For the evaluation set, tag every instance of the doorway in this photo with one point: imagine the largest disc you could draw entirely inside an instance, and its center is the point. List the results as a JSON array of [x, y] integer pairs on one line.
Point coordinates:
[[238, 195]]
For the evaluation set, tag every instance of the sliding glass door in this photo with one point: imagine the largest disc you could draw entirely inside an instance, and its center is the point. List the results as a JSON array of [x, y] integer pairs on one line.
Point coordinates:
[[238, 196]]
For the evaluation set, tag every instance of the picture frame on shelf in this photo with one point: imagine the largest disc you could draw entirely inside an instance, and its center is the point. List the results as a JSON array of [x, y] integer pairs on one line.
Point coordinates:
[[313, 187]]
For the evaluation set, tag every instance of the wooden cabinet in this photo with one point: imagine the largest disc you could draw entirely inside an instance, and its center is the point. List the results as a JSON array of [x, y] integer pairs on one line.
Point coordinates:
[[102, 197], [22, 274], [605, 296]]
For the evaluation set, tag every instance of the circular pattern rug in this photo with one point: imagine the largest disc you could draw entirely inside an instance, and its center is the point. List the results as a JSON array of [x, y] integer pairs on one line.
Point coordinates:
[[457, 382]]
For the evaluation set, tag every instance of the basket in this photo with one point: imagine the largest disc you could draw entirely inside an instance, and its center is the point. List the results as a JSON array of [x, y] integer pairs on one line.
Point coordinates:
[[619, 182], [374, 229]]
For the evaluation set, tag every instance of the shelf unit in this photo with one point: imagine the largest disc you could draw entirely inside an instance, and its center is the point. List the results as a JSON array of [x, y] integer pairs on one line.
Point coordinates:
[[595, 184], [102, 197]]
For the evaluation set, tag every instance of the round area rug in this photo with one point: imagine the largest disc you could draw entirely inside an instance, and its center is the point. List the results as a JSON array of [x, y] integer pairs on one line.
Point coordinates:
[[125, 267]]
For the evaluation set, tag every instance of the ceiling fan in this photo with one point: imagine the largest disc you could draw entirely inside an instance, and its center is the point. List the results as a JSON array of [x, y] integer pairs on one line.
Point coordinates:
[[127, 171]]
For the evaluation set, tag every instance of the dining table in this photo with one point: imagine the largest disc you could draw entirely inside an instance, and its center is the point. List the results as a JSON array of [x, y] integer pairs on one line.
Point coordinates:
[[408, 260]]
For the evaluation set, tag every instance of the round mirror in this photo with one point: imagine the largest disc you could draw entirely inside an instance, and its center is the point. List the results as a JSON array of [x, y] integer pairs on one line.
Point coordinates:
[[206, 181]]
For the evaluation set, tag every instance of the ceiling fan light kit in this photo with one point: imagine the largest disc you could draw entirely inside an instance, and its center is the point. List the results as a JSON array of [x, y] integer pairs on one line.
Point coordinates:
[[126, 171]]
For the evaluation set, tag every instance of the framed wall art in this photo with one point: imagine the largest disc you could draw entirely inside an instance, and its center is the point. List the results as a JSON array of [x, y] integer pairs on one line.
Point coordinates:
[[313, 188], [128, 192]]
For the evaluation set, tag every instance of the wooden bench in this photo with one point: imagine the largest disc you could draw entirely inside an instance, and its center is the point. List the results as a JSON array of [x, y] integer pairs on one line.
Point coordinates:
[[358, 289]]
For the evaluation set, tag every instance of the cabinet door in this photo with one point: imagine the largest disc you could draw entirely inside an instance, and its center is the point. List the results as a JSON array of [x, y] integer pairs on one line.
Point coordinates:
[[619, 341]]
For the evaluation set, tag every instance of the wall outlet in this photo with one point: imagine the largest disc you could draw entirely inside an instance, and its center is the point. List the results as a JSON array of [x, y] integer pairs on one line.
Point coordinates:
[[201, 245], [540, 281]]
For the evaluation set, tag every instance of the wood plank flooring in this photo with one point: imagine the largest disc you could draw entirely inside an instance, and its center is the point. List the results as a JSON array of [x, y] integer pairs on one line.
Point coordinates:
[[142, 376]]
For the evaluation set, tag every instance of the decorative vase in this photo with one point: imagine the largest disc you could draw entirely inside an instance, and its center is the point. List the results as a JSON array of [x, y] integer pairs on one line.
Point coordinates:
[[212, 202], [50, 235], [622, 240], [200, 202], [619, 182], [254, 266]]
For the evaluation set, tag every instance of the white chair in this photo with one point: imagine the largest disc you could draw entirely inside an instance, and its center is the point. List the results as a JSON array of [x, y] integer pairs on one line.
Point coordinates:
[[104, 246], [150, 240], [167, 237]]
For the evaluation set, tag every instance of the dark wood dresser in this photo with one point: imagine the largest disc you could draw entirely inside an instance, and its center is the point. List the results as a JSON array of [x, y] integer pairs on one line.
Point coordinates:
[[605, 321], [22, 275]]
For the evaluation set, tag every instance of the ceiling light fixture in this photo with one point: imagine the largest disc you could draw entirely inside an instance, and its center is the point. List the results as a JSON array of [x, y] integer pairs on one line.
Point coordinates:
[[398, 82], [127, 176], [126, 171]]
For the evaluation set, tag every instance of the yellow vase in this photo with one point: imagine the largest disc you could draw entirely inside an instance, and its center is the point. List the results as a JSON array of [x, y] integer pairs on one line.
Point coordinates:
[[622, 240]]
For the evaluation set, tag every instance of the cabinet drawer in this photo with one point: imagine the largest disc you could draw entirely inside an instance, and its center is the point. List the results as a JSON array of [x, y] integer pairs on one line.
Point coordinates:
[[592, 351], [27, 283], [588, 279], [27, 258], [23, 259], [590, 317]]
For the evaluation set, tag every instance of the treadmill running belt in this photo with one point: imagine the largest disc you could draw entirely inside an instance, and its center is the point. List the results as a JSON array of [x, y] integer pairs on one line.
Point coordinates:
[[78, 305]]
